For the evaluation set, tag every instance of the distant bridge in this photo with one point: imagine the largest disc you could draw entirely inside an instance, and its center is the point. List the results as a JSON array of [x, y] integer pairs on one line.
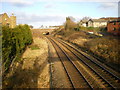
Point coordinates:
[[43, 30]]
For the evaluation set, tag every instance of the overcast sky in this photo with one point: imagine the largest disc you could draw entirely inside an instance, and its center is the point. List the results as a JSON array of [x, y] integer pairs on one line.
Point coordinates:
[[54, 12]]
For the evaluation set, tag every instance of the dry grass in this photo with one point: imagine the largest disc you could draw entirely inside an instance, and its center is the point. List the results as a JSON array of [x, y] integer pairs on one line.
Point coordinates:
[[33, 69], [106, 47], [34, 47]]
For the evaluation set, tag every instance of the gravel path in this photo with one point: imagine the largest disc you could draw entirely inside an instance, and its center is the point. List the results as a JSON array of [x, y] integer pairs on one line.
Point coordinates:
[[59, 77]]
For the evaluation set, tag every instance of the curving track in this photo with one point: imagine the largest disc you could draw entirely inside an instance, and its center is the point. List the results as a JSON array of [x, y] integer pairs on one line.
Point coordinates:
[[82, 70]]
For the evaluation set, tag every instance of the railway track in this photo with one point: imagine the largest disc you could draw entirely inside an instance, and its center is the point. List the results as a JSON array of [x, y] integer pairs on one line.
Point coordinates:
[[83, 71], [113, 73], [75, 79]]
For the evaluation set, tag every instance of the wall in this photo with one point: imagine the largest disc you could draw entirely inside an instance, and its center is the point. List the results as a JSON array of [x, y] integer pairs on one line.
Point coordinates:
[[115, 29], [12, 21], [90, 24], [99, 24], [5, 20]]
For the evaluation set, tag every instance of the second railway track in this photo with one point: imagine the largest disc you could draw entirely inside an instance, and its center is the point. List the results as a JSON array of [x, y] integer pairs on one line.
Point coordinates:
[[81, 70]]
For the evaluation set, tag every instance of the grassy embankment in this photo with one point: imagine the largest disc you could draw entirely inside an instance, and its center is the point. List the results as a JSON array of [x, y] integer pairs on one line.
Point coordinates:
[[14, 42], [105, 47]]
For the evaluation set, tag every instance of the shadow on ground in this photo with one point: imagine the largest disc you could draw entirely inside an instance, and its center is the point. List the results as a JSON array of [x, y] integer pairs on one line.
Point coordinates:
[[25, 78]]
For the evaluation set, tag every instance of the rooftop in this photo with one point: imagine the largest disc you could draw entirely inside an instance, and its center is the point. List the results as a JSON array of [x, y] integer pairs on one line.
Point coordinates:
[[99, 20]]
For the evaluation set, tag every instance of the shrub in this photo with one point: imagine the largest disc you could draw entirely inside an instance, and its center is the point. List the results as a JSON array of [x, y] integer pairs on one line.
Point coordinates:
[[14, 42], [94, 29]]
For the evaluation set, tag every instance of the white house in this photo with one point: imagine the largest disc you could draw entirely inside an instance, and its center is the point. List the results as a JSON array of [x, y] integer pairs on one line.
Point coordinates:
[[93, 23], [99, 22]]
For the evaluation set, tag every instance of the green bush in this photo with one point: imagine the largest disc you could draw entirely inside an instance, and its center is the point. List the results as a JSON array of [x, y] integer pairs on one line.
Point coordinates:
[[94, 29], [103, 29], [14, 42], [76, 29]]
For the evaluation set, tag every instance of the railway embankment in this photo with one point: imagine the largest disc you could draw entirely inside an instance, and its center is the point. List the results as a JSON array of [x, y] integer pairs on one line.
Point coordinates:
[[80, 66], [32, 71], [106, 48]]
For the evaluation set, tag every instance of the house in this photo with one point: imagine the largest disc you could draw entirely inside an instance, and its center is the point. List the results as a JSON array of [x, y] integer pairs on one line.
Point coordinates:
[[93, 23], [101, 22], [90, 23], [83, 23], [114, 27], [6, 20], [97, 23]]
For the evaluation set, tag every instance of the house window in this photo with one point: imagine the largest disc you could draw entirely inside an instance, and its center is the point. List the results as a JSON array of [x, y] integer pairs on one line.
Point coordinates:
[[114, 23], [114, 29], [87, 24]]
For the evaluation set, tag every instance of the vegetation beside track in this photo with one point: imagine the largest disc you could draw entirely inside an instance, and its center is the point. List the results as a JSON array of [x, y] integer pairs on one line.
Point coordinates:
[[14, 42], [105, 47]]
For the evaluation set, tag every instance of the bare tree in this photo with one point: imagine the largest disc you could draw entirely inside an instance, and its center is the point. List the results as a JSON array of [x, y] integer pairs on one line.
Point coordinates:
[[86, 18], [69, 24], [72, 18], [31, 26]]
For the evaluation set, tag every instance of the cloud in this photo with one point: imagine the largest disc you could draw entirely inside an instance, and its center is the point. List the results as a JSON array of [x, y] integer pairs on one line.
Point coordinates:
[[92, 0], [34, 1], [18, 3], [47, 20], [108, 5], [50, 5], [39, 20], [24, 3], [76, 0]]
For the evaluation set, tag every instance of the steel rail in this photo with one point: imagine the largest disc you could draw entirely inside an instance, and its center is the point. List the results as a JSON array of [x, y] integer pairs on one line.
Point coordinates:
[[62, 64], [73, 65], [90, 66], [97, 63]]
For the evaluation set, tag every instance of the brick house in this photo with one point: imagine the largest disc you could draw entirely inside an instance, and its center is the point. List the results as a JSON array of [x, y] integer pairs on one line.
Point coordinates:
[[114, 27], [6, 20]]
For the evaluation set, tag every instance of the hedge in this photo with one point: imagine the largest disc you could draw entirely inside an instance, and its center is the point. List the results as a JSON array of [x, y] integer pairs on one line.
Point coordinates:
[[14, 42]]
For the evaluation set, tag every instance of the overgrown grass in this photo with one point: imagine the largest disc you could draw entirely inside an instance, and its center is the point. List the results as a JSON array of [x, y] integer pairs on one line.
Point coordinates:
[[106, 47], [94, 29], [34, 47], [64, 33]]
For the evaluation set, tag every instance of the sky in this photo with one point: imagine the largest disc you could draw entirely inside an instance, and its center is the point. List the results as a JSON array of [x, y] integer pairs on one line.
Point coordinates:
[[54, 12]]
